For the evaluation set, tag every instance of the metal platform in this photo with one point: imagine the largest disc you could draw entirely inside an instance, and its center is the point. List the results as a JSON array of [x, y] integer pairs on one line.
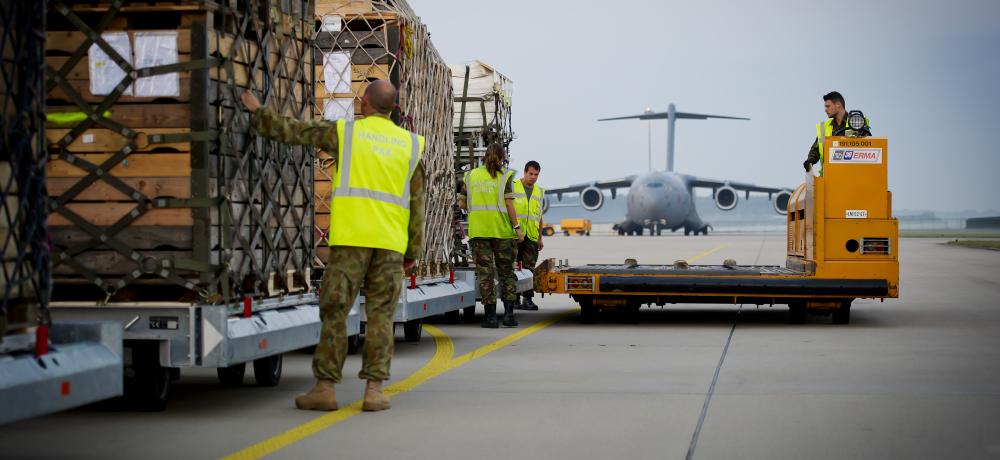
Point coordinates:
[[525, 281], [83, 365], [196, 335]]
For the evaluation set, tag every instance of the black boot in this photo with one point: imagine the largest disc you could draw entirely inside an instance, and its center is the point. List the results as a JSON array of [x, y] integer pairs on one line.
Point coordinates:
[[508, 315], [529, 304], [490, 321]]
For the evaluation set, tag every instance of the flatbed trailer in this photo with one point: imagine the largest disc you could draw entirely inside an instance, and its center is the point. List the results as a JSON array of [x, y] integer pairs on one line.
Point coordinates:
[[160, 338], [422, 299], [627, 287], [842, 245], [82, 365]]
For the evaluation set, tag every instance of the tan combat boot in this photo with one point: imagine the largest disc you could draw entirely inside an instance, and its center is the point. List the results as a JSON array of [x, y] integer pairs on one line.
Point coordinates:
[[320, 397], [375, 400]]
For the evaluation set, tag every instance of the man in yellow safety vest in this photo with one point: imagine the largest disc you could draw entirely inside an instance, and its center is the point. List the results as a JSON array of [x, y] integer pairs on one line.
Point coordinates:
[[494, 232], [528, 202], [375, 233], [833, 105]]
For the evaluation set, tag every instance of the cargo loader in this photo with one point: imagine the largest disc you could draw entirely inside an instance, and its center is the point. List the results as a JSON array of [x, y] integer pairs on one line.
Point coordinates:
[[842, 245]]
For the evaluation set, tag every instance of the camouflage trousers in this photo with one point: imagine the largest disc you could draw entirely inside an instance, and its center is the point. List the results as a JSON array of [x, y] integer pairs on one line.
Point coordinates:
[[381, 271], [494, 258], [527, 255]]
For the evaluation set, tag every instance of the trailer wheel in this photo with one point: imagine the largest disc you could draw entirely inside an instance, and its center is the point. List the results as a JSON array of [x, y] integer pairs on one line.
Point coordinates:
[[147, 383], [232, 376], [588, 312], [267, 371], [412, 330], [469, 313], [797, 313], [842, 315], [630, 314], [452, 317], [353, 344], [566, 232]]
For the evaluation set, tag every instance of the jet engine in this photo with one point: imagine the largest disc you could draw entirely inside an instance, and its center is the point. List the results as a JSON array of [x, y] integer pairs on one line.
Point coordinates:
[[545, 204], [781, 202], [726, 198], [591, 198]]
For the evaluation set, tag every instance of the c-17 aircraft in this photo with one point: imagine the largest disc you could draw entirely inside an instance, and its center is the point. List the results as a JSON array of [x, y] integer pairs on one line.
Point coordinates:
[[660, 200]]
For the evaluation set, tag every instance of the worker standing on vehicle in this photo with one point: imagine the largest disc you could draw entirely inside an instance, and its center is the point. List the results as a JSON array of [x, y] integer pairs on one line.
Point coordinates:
[[494, 232], [376, 232], [833, 105], [528, 198]]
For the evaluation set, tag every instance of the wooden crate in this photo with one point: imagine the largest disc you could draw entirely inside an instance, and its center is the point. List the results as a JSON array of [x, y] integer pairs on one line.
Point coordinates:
[[173, 195]]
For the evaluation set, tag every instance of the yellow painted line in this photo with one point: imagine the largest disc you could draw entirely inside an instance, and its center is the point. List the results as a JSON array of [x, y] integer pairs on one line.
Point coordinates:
[[709, 252], [440, 363]]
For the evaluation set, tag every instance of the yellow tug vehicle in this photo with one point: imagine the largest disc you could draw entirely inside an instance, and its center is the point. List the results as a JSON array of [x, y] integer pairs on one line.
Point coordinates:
[[842, 245]]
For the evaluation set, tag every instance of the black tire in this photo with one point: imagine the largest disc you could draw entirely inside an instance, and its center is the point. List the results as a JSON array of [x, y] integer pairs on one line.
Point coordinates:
[[147, 383], [353, 344], [469, 313], [267, 371], [412, 330], [232, 376], [588, 312], [797, 313], [588, 233], [842, 315], [630, 314], [453, 317], [621, 232], [565, 232]]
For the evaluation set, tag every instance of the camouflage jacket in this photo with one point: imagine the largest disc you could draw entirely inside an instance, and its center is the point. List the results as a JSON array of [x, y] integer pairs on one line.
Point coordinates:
[[322, 134]]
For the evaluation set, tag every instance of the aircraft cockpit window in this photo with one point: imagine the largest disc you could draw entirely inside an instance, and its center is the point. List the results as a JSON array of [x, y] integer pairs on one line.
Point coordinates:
[[655, 185]]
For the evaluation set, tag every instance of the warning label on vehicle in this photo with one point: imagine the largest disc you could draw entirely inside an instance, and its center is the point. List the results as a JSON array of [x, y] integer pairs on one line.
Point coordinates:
[[857, 214], [856, 156]]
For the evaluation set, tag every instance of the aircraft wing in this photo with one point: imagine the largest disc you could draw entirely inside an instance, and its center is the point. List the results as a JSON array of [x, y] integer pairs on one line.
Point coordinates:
[[624, 182], [700, 182]]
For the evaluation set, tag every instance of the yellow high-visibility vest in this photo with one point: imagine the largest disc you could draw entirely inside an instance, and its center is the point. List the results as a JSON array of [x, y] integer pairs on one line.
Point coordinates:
[[487, 206], [824, 129], [529, 209], [370, 207]]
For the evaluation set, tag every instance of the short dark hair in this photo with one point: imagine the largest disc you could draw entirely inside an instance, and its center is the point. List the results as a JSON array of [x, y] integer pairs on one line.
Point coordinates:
[[834, 96], [532, 164]]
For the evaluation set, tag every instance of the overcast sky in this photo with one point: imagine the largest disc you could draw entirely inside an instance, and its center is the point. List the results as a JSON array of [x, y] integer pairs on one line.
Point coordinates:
[[926, 72]]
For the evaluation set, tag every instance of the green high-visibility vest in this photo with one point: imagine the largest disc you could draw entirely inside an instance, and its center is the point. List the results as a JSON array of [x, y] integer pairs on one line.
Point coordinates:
[[529, 209], [370, 207], [824, 129], [487, 207]]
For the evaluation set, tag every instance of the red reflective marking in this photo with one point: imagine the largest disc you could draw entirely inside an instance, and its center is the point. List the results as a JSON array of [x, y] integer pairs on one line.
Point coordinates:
[[451, 277], [263, 344], [413, 281], [64, 389], [425, 307], [247, 307], [41, 340]]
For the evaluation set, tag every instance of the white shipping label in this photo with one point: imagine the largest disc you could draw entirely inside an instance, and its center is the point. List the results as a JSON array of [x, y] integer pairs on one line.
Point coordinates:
[[856, 214], [331, 23], [105, 74], [153, 49], [337, 72], [337, 109], [852, 155]]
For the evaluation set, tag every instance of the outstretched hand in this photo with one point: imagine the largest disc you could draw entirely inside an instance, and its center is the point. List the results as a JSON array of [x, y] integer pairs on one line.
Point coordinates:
[[250, 101]]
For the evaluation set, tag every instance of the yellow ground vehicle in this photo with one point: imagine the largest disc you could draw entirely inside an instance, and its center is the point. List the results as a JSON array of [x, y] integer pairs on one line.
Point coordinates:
[[575, 226], [842, 245]]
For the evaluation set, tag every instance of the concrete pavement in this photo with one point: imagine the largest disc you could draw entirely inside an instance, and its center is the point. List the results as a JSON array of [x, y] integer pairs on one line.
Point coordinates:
[[917, 377]]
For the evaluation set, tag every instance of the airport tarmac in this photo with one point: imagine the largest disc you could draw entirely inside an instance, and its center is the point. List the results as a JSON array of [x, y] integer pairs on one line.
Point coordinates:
[[917, 377]]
